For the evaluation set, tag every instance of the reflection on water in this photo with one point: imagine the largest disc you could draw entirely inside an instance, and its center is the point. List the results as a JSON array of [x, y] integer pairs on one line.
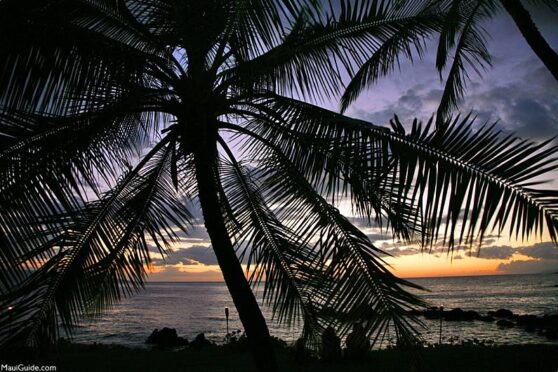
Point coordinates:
[[193, 308]]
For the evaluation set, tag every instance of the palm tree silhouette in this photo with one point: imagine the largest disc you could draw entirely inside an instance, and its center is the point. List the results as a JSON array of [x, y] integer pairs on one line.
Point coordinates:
[[116, 116]]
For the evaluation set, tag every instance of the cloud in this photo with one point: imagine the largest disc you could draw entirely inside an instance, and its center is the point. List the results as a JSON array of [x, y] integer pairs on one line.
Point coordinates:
[[189, 256], [495, 252], [397, 251], [528, 266], [543, 258], [180, 273], [538, 251], [418, 101], [526, 104], [375, 236], [545, 251], [196, 237]]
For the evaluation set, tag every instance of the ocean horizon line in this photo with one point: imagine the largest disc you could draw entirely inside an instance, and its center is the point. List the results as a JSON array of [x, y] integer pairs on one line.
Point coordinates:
[[406, 278]]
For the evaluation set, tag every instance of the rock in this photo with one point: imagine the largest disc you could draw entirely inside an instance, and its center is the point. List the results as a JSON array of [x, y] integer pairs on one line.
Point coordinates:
[[551, 334], [433, 313], [166, 337], [472, 315], [550, 320], [454, 314], [200, 342], [505, 323], [487, 318], [530, 322], [460, 315], [503, 313]]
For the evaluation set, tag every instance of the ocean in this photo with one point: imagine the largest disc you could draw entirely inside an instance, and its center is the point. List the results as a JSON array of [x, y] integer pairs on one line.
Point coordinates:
[[193, 308]]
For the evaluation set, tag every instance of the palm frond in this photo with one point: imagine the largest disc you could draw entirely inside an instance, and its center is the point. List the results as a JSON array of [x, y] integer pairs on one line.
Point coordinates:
[[68, 51], [53, 165], [101, 254], [470, 50], [337, 160], [470, 181], [353, 284], [274, 253], [319, 48], [437, 172]]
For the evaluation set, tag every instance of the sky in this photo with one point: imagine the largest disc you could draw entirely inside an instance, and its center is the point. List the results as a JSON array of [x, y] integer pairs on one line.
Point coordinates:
[[517, 92]]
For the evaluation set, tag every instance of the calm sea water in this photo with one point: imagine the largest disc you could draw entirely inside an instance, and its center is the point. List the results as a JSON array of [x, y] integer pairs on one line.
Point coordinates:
[[193, 308]]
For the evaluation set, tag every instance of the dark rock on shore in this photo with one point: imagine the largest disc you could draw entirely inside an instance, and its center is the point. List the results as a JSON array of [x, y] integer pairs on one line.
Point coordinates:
[[200, 342], [528, 321], [432, 313], [546, 326], [456, 314], [166, 337], [551, 334], [501, 313], [505, 323], [461, 315]]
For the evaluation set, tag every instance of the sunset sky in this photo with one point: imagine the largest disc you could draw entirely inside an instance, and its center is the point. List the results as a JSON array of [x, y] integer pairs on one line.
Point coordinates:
[[518, 92]]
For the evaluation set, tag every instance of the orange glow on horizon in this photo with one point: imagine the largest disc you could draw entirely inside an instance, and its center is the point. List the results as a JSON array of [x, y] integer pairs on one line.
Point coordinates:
[[428, 265], [412, 266]]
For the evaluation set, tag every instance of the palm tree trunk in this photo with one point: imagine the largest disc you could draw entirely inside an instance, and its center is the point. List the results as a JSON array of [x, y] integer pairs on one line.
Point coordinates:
[[239, 288], [532, 35]]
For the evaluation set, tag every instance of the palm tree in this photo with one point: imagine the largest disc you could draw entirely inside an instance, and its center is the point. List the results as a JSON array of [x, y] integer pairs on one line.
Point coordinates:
[[528, 28], [462, 36], [116, 116]]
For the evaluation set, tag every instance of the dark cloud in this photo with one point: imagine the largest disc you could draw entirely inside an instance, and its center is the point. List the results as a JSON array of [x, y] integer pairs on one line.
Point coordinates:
[[419, 101], [545, 251], [528, 267], [396, 251], [378, 236], [189, 256], [363, 222], [495, 252], [527, 105], [539, 251], [196, 235]]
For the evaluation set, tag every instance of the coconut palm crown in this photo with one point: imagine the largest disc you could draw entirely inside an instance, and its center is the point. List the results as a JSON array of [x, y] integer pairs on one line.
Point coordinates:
[[118, 116]]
